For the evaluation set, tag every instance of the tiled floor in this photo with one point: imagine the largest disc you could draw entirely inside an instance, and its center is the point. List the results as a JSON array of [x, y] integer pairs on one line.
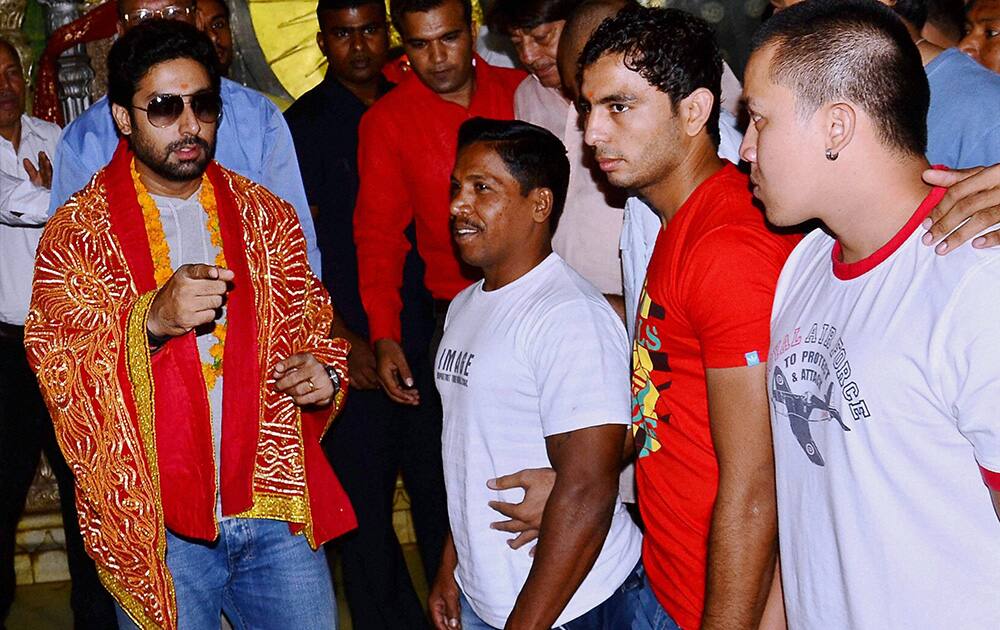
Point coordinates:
[[46, 606]]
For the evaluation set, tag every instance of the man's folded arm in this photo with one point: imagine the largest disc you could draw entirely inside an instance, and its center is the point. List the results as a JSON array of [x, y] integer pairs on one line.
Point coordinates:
[[22, 204]]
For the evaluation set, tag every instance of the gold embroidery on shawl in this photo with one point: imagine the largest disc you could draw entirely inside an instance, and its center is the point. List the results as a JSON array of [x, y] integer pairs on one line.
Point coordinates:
[[81, 328], [289, 305], [76, 338], [140, 372]]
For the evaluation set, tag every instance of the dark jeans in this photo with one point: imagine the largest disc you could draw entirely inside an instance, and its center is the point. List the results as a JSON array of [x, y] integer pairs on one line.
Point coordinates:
[[370, 443], [631, 607], [25, 432]]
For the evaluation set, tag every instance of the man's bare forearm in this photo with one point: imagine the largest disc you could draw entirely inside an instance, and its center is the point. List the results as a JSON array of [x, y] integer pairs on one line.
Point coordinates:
[[742, 548], [575, 523]]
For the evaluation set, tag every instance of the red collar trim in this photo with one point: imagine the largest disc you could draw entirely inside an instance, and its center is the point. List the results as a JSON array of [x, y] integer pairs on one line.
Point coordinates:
[[850, 271]]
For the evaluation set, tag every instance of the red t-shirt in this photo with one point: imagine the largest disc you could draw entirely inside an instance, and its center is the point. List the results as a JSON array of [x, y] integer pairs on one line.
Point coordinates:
[[706, 304], [406, 151]]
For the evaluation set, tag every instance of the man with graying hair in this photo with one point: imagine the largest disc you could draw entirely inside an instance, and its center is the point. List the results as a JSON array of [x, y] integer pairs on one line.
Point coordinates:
[[25, 428]]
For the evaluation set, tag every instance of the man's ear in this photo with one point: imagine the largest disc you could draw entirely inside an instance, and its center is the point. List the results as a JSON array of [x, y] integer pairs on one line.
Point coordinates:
[[839, 121], [542, 201], [321, 42], [122, 119], [695, 109]]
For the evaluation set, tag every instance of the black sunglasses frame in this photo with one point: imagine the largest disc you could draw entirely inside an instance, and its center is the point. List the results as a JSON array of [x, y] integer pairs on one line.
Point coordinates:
[[194, 101]]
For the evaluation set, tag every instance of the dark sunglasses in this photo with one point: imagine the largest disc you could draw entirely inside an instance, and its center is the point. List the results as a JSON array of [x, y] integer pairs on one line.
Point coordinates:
[[163, 110]]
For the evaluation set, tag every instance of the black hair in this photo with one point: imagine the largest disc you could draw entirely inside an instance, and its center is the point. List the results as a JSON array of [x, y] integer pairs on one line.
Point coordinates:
[[673, 50], [225, 6], [913, 11], [150, 43], [336, 5], [399, 8], [509, 15], [854, 50], [948, 16], [534, 157]]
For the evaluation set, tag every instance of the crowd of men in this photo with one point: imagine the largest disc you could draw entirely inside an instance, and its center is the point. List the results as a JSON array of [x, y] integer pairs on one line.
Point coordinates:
[[762, 311]]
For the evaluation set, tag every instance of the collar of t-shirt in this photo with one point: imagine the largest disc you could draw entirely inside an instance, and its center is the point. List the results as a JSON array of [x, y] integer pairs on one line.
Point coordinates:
[[493, 294], [850, 271]]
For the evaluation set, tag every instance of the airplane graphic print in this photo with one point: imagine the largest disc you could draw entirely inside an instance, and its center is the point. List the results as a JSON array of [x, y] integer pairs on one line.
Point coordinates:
[[801, 409]]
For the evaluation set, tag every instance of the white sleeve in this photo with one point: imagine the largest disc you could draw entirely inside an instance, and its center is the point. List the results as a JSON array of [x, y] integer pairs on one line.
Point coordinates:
[[579, 355], [968, 339], [22, 204]]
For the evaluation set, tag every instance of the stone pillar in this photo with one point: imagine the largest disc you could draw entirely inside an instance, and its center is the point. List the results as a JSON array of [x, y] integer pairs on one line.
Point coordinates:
[[75, 73]]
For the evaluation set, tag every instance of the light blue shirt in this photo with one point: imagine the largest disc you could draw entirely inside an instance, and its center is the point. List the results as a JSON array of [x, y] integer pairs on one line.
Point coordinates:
[[963, 124], [253, 140]]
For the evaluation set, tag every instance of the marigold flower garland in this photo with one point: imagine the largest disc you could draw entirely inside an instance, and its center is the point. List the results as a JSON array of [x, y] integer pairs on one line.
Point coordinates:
[[160, 251]]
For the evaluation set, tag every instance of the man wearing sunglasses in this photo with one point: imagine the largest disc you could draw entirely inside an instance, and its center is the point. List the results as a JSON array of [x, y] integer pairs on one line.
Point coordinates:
[[253, 139], [182, 345]]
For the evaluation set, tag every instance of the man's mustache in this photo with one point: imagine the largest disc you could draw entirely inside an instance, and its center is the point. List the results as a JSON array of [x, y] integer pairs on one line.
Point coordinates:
[[187, 142]]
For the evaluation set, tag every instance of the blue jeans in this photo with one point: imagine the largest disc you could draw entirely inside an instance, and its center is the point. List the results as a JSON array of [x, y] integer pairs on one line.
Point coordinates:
[[651, 615], [631, 607], [257, 573]]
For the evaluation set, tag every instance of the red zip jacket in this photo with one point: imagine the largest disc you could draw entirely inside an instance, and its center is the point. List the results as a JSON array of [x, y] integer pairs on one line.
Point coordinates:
[[406, 151]]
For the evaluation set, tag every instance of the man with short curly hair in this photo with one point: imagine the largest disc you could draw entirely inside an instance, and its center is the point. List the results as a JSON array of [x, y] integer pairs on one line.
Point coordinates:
[[650, 87]]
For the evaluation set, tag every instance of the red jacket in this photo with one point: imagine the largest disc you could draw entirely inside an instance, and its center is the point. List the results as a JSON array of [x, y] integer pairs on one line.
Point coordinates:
[[407, 145]]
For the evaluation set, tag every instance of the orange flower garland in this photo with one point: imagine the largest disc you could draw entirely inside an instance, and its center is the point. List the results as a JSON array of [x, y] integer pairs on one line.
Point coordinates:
[[160, 251]]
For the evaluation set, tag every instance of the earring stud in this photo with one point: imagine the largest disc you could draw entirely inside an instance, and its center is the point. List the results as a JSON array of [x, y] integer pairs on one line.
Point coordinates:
[[830, 155]]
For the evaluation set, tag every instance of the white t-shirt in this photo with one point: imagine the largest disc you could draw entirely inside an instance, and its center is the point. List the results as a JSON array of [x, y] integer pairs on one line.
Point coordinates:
[[884, 381], [540, 356]]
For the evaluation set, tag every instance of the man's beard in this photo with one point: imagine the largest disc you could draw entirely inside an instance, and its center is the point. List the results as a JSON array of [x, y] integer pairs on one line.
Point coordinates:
[[159, 162]]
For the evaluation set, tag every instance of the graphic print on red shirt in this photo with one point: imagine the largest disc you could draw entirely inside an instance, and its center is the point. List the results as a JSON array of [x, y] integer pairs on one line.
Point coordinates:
[[650, 377], [706, 304]]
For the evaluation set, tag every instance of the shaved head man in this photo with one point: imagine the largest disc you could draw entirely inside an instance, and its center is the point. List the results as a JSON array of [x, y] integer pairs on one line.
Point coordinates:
[[579, 27]]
